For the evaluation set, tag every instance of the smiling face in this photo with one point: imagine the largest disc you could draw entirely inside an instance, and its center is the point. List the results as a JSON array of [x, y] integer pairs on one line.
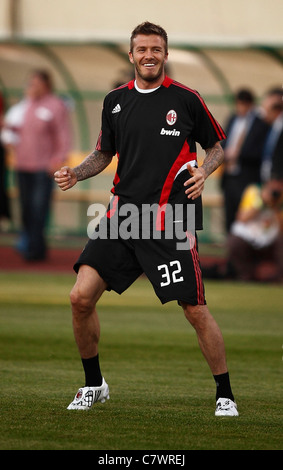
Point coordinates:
[[149, 57]]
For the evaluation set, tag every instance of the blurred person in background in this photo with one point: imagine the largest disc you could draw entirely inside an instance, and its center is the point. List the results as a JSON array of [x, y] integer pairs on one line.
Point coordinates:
[[4, 200], [255, 239], [272, 159], [38, 129], [246, 132]]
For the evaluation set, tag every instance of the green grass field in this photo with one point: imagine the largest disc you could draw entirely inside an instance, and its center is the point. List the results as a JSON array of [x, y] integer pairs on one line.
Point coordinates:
[[161, 390]]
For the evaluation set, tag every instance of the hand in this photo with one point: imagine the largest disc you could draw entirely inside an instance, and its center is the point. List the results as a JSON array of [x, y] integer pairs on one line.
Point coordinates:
[[66, 178], [196, 181]]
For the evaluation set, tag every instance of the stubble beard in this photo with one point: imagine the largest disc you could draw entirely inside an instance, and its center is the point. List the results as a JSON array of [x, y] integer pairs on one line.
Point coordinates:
[[150, 78]]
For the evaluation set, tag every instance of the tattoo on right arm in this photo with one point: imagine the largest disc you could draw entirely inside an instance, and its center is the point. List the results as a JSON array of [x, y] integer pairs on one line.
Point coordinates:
[[93, 164]]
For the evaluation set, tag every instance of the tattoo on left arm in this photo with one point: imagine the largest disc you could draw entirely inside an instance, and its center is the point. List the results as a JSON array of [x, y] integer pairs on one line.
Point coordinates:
[[213, 159]]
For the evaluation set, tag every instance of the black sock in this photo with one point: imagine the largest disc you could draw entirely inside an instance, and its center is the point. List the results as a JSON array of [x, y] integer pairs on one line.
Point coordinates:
[[223, 387], [93, 377]]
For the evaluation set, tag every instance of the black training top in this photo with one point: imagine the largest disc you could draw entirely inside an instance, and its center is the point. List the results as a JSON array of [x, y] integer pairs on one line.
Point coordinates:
[[154, 136]]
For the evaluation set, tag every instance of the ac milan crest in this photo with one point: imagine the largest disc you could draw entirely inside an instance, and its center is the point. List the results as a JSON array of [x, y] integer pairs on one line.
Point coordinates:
[[171, 117]]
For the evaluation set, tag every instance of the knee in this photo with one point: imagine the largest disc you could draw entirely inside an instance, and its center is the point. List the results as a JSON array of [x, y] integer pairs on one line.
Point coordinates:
[[195, 314], [80, 301]]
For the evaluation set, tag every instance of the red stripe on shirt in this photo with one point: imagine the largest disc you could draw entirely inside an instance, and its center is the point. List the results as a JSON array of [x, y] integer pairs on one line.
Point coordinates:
[[115, 200], [112, 210], [124, 85], [184, 156], [220, 133]]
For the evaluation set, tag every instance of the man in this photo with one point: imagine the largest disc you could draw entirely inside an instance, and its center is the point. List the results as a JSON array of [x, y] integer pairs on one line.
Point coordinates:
[[272, 161], [255, 240], [38, 129], [243, 148], [152, 124]]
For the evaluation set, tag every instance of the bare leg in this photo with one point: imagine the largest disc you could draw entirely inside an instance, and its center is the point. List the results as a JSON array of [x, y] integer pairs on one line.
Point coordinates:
[[87, 290], [212, 346], [84, 295], [209, 336]]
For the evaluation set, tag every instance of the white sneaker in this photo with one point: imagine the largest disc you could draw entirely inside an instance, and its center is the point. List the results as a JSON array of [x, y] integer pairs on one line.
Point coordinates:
[[87, 396], [226, 407]]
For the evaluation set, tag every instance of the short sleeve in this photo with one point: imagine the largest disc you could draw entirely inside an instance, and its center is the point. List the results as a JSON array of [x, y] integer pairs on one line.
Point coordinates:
[[206, 131], [106, 139]]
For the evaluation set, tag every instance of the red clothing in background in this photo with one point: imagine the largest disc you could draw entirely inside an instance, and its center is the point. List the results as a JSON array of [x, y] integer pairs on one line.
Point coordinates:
[[44, 136]]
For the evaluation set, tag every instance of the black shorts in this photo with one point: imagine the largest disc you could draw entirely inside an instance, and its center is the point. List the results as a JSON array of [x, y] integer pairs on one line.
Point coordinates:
[[174, 273]]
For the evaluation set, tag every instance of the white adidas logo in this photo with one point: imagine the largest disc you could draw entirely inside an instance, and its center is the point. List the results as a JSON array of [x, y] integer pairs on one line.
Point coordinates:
[[117, 109]]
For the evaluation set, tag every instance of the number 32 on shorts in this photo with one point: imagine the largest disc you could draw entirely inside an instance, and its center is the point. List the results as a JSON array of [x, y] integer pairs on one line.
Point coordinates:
[[170, 273]]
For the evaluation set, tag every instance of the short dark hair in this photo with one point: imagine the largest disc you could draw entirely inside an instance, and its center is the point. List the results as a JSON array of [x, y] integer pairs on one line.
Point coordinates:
[[245, 95], [276, 92], [44, 76], [148, 28]]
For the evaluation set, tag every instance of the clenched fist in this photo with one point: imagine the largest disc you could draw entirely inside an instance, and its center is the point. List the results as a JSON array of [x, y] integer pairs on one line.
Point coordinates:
[[66, 178]]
